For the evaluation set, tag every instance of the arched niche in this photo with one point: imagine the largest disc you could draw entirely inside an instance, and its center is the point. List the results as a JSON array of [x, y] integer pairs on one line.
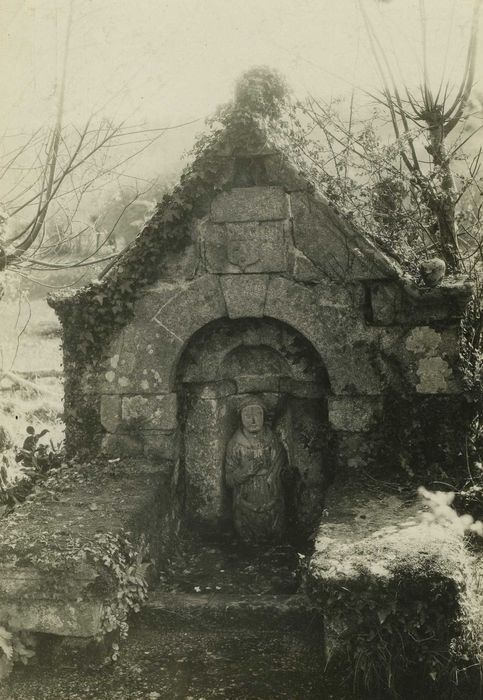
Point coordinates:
[[222, 363]]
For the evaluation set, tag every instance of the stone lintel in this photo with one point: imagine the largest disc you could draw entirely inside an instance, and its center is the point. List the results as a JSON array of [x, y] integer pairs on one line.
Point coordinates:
[[212, 389], [300, 389], [250, 204], [257, 383]]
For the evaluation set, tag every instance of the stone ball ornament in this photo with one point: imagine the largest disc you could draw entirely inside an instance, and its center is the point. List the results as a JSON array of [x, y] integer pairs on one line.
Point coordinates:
[[432, 271]]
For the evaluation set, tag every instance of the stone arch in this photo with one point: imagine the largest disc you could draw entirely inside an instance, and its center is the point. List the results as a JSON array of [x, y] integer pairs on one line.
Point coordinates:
[[224, 361], [148, 350]]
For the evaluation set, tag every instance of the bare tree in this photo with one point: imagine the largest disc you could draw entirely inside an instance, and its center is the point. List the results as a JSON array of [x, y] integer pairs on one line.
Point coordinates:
[[46, 177], [434, 116], [401, 172]]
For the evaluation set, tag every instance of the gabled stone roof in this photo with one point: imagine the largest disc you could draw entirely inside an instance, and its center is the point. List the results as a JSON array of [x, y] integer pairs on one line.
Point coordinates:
[[240, 155]]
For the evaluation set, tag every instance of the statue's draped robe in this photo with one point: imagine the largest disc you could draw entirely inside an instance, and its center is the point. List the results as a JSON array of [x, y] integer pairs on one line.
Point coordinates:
[[253, 470]]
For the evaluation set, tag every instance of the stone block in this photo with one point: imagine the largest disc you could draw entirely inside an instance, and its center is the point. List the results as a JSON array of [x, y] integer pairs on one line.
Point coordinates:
[[371, 541], [205, 443], [246, 247], [354, 413], [82, 619], [144, 357], [244, 294], [157, 412], [335, 330], [176, 314], [250, 204], [118, 445], [110, 412], [332, 245], [159, 446], [304, 270], [398, 302], [21, 582]]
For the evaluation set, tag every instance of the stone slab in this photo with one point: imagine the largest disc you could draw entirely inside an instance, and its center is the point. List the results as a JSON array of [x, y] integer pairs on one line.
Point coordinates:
[[244, 294], [332, 245], [246, 247], [66, 619], [250, 204], [205, 441]]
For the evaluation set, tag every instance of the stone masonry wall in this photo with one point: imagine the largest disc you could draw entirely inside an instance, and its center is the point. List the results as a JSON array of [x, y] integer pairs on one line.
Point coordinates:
[[280, 252]]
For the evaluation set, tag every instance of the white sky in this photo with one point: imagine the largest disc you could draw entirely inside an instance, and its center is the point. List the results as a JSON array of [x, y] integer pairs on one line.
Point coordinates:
[[166, 61]]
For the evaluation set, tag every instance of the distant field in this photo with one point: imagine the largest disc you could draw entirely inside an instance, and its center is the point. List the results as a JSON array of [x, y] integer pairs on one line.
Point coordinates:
[[29, 337], [30, 342]]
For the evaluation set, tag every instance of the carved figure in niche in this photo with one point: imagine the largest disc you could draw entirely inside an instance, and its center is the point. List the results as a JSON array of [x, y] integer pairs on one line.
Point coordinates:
[[254, 466]]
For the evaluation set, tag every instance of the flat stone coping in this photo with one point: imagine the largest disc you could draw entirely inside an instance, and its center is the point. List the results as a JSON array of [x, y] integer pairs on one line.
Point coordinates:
[[45, 586]]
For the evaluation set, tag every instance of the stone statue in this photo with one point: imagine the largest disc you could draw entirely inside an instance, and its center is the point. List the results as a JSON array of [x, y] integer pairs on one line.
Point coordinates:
[[254, 465]]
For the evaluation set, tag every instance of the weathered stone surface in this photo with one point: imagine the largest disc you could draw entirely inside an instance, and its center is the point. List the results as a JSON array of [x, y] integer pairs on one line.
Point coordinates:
[[301, 389], [435, 375], [245, 247], [82, 619], [353, 413], [304, 270], [206, 437], [332, 245], [110, 412], [161, 446], [213, 390], [175, 314], [59, 592], [244, 294], [376, 542], [250, 204], [257, 383], [16, 581], [118, 445], [400, 302], [423, 340], [144, 356], [158, 412], [431, 373], [335, 331]]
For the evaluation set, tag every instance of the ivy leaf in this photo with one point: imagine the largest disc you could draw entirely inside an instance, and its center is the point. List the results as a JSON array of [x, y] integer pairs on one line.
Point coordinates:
[[383, 614]]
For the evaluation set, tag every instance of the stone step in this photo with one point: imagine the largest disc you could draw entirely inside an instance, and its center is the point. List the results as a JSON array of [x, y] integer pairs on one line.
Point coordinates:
[[179, 609], [232, 663]]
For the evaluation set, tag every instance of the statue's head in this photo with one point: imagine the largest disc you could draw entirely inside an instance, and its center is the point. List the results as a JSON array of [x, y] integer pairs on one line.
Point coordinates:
[[252, 414]]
